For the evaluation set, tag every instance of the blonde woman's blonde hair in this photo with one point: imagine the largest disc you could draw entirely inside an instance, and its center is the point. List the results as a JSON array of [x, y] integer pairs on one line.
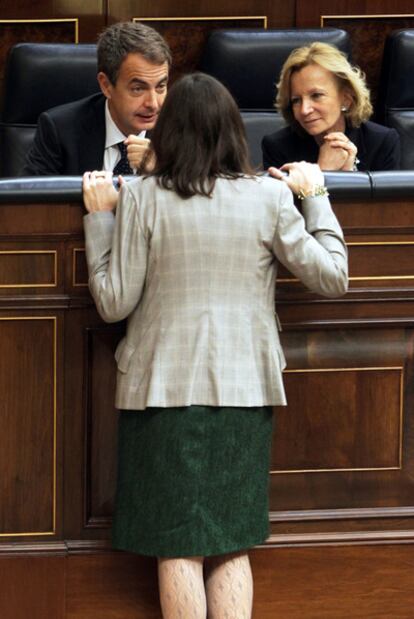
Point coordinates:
[[349, 78]]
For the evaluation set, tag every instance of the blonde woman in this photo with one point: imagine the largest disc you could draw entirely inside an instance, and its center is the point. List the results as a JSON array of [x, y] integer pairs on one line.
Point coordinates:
[[326, 102]]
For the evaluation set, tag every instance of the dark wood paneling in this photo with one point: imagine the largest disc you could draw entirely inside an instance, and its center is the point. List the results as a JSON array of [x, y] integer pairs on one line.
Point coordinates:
[[358, 422], [331, 582], [40, 220], [28, 268], [377, 217], [91, 13], [102, 423], [187, 37], [78, 275], [344, 415], [372, 264], [29, 421], [32, 587], [280, 14], [334, 583], [77, 431], [112, 585], [357, 425], [388, 262], [308, 14], [31, 267]]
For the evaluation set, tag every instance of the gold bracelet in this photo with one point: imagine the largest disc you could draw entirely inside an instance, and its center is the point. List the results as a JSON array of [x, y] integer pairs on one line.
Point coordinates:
[[318, 190]]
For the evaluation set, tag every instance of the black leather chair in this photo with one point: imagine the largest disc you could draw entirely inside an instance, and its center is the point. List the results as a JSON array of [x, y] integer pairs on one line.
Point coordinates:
[[396, 91], [257, 125], [248, 62], [40, 76]]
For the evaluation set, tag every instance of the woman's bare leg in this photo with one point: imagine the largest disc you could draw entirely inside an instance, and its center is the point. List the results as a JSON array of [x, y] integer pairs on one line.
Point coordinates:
[[229, 587], [181, 586]]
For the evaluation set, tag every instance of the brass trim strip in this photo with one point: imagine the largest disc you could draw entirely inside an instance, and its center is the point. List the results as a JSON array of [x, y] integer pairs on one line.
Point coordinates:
[[381, 243], [398, 467], [74, 251], [355, 470], [200, 18], [323, 17], [349, 369], [34, 251], [75, 20], [54, 473], [359, 278], [338, 538]]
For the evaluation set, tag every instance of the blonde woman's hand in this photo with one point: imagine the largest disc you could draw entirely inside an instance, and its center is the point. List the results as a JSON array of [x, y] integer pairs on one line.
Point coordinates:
[[337, 152], [299, 176], [99, 194]]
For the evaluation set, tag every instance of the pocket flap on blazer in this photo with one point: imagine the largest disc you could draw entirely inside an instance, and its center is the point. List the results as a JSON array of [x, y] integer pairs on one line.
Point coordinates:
[[123, 356]]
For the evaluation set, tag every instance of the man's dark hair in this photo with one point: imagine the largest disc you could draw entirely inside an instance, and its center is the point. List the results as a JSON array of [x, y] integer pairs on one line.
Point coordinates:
[[123, 38], [199, 136]]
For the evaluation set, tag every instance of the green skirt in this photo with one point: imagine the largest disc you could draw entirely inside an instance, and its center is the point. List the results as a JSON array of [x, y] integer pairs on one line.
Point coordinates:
[[192, 481]]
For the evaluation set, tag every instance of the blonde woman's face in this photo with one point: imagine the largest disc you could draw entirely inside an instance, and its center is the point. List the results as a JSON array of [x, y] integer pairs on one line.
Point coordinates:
[[316, 100]]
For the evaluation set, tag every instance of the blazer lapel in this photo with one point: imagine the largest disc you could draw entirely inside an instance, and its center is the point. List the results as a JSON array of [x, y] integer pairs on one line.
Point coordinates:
[[92, 146], [356, 137]]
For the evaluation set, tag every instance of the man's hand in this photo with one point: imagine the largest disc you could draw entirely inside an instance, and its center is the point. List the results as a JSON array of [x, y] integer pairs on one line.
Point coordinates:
[[136, 150], [99, 194]]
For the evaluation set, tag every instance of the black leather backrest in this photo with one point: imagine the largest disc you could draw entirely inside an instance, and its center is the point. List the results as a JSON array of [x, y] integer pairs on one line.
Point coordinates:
[[257, 125], [403, 122], [15, 141], [248, 62], [396, 88], [42, 75]]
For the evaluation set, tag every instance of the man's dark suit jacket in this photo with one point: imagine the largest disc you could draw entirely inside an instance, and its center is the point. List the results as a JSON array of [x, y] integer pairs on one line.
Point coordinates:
[[378, 147], [69, 140]]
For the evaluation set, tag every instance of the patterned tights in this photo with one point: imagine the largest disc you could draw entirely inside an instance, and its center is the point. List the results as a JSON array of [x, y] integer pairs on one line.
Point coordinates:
[[224, 591]]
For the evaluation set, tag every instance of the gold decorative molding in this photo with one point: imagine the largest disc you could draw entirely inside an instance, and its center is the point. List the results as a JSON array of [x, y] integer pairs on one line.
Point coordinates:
[[380, 244], [32, 252], [398, 467], [75, 251], [54, 447], [74, 20], [208, 18], [294, 280], [379, 16], [187, 36]]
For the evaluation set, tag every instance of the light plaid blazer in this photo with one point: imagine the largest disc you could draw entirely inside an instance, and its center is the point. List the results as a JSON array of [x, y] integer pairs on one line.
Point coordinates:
[[196, 279]]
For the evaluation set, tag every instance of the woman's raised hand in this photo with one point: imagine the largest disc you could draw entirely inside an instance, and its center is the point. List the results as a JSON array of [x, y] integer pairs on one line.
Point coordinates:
[[302, 177], [99, 194]]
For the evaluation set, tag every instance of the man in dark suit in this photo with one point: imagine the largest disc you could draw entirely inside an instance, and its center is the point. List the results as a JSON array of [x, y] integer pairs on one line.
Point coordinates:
[[107, 130]]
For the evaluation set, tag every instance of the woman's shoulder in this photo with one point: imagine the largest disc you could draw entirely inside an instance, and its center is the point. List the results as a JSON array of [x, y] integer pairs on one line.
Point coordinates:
[[263, 186], [141, 186], [260, 186], [370, 128]]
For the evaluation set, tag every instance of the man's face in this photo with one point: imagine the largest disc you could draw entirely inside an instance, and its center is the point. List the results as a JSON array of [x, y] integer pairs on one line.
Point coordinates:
[[136, 98]]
